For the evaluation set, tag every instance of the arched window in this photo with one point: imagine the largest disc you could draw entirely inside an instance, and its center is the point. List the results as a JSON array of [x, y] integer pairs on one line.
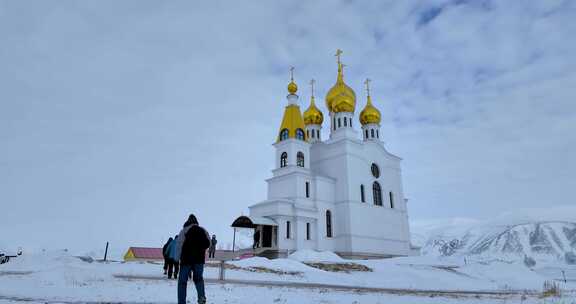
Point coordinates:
[[300, 159], [345, 121], [328, 223], [313, 134], [366, 133], [372, 133], [377, 134], [334, 123], [377, 193], [362, 198], [284, 134], [339, 120], [299, 134], [283, 159], [391, 200], [308, 133], [318, 134]]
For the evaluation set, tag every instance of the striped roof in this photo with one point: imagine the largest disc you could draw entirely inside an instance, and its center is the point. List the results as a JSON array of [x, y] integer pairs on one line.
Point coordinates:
[[147, 253]]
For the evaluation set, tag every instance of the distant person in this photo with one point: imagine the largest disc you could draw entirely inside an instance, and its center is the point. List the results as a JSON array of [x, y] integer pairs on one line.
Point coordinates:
[[256, 239], [212, 250], [173, 259], [193, 241], [165, 255]]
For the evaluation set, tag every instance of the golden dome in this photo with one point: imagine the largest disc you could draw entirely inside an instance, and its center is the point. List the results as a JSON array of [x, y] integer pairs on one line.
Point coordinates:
[[292, 87], [340, 98], [370, 115], [312, 115]]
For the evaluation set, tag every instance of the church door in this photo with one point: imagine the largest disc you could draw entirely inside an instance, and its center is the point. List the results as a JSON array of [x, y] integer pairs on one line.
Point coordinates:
[[266, 236]]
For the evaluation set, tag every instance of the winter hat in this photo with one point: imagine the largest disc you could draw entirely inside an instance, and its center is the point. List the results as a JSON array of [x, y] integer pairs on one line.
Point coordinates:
[[191, 221]]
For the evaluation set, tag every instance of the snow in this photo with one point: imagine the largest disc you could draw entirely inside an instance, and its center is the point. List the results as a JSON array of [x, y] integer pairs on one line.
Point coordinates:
[[316, 256], [60, 276]]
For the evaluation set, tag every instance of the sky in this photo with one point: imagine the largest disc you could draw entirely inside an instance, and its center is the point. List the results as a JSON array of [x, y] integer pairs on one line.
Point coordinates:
[[119, 118]]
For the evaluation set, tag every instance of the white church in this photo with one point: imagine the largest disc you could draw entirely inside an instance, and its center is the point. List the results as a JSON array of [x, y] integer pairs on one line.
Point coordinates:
[[342, 194]]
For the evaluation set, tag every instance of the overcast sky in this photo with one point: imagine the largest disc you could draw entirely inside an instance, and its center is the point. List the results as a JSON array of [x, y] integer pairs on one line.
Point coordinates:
[[119, 118]]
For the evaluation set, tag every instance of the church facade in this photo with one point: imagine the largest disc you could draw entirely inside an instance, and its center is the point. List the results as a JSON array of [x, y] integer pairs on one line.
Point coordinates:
[[342, 194]]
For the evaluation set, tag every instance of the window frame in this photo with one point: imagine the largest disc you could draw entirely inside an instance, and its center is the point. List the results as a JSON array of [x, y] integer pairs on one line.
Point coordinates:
[[329, 233], [377, 193], [300, 160], [284, 134], [283, 159]]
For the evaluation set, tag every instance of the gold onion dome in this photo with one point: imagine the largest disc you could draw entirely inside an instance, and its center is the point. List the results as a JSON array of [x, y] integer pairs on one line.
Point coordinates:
[[340, 98], [369, 115], [292, 87], [312, 115]]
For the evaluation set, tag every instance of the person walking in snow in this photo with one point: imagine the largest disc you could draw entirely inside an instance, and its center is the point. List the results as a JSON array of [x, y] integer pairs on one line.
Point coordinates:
[[192, 243], [212, 250], [165, 255], [173, 258]]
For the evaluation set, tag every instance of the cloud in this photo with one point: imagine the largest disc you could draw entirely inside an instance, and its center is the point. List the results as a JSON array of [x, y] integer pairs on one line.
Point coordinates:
[[119, 119]]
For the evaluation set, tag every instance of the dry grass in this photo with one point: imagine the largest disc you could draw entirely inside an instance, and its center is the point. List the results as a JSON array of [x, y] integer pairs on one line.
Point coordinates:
[[256, 269], [340, 267], [551, 289]]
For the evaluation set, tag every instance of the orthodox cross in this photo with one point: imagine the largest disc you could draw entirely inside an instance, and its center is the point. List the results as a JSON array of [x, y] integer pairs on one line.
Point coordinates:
[[292, 73], [312, 82], [338, 53], [367, 83]]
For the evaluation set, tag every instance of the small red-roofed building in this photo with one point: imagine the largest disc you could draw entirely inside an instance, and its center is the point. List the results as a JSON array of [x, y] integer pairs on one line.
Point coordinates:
[[143, 254]]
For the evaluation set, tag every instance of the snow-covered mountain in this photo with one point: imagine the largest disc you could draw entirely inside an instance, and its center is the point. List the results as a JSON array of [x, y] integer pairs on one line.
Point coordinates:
[[540, 240]]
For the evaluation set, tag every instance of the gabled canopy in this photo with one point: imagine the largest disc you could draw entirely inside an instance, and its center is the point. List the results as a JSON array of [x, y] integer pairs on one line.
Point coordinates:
[[252, 221]]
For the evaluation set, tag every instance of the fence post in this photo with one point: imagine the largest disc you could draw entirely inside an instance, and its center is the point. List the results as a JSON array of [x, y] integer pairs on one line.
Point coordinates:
[[222, 269], [106, 252]]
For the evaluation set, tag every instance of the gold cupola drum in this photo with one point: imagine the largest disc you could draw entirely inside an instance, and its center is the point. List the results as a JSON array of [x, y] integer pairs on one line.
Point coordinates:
[[313, 118], [340, 98], [370, 117]]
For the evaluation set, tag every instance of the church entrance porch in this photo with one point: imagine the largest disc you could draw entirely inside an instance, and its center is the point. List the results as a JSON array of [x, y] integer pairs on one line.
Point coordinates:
[[265, 236]]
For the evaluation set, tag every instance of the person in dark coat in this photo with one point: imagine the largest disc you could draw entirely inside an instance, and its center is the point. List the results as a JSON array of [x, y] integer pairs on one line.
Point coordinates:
[[173, 264], [193, 241], [212, 250], [165, 255], [256, 239]]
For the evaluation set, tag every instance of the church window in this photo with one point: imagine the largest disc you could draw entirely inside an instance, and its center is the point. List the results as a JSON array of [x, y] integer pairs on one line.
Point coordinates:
[[287, 229], [308, 133], [391, 199], [299, 134], [345, 121], [375, 170], [362, 197], [334, 123], [307, 189], [377, 193], [283, 159], [328, 223], [372, 133], [339, 125], [318, 134], [366, 133], [300, 159], [312, 134], [284, 134], [308, 231], [377, 134], [350, 122]]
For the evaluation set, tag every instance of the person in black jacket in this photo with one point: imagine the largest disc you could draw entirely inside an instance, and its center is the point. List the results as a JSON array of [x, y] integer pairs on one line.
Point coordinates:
[[193, 241], [165, 255]]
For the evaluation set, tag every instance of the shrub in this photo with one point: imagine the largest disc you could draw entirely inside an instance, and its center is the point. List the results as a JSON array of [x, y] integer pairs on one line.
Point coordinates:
[[570, 258], [529, 262]]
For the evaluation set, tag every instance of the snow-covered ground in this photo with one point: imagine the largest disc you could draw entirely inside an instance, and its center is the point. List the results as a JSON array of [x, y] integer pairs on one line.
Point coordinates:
[[59, 276]]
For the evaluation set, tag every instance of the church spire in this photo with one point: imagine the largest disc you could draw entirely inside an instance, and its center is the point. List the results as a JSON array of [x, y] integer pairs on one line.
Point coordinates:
[[292, 123]]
